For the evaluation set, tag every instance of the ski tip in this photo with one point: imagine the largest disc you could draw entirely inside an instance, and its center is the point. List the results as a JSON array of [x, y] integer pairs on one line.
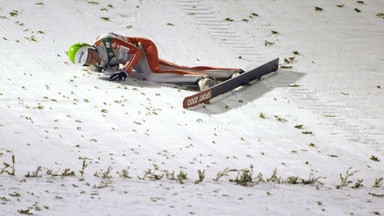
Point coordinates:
[[197, 99]]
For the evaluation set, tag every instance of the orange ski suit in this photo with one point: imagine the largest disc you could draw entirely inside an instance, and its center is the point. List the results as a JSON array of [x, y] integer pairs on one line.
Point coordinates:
[[142, 55]]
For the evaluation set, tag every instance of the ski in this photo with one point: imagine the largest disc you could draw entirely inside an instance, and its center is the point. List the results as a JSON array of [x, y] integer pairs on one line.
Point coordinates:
[[231, 84]]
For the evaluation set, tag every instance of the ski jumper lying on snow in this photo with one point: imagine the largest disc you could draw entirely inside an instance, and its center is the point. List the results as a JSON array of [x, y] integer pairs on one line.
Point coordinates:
[[140, 55]]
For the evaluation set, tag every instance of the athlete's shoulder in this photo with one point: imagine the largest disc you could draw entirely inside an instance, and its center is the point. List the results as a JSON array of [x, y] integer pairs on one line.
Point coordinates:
[[109, 36], [107, 39]]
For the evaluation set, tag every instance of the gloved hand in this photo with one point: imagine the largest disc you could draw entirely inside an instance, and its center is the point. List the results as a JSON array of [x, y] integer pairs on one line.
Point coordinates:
[[121, 75]]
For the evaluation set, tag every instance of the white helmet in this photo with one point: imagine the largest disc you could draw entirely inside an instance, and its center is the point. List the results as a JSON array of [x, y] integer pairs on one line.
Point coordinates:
[[78, 53]]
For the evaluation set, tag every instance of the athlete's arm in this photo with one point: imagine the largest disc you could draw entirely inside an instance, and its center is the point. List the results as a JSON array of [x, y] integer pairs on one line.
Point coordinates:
[[133, 52]]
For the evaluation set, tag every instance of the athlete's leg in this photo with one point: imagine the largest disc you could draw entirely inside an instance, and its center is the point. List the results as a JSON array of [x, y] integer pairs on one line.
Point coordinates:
[[218, 73], [159, 70], [166, 76], [163, 62]]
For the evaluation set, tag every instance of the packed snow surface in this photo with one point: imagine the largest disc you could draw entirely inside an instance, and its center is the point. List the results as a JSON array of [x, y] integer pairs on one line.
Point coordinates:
[[305, 140]]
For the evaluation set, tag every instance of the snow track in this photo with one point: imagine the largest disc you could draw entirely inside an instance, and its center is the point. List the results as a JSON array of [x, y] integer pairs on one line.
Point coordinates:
[[320, 115], [223, 31]]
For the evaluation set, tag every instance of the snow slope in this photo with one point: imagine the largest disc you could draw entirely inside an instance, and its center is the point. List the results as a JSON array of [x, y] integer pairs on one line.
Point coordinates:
[[85, 146]]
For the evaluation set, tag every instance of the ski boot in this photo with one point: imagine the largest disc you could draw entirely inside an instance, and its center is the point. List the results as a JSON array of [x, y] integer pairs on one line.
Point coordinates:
[[237, 73], [205, 83]]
